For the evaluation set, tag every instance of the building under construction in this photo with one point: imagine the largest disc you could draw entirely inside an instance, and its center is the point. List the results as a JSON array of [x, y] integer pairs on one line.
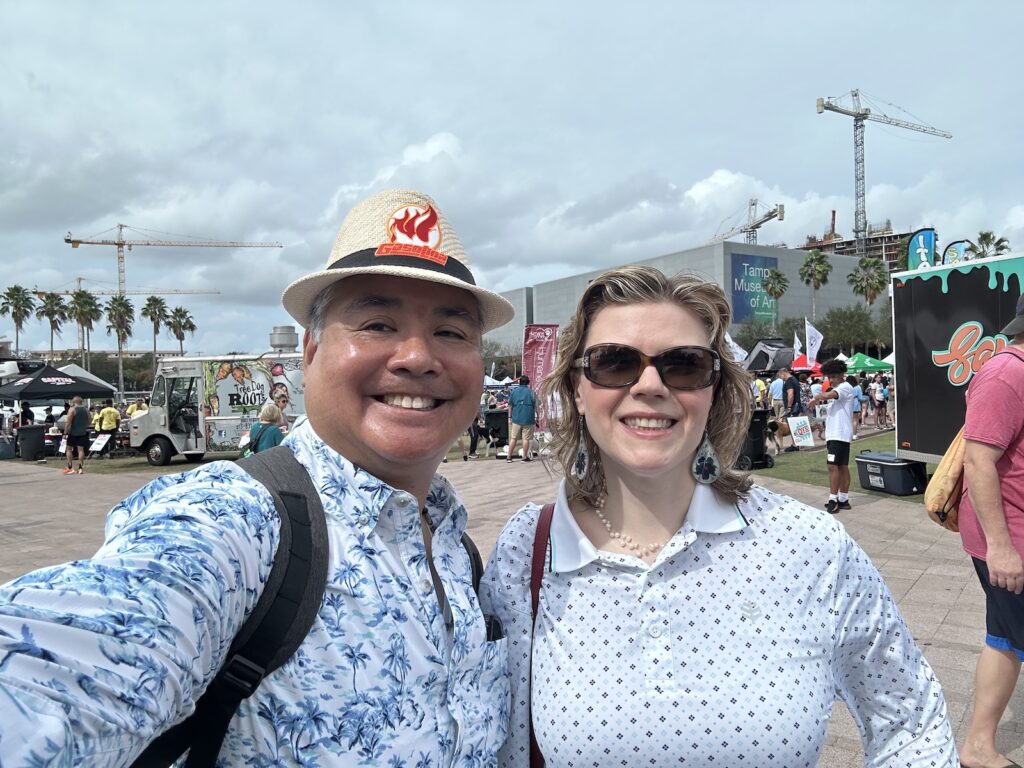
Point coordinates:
[[881, 243]]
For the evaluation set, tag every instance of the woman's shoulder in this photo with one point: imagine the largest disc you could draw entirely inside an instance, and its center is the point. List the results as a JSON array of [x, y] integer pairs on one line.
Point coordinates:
[[778, 514], [516, 538]]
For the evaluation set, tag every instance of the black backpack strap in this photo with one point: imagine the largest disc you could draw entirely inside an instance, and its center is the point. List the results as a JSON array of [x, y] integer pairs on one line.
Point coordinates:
[[476, 563], [277, 626]]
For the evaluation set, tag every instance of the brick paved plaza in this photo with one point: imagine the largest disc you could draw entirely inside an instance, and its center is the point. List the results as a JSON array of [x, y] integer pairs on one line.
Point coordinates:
[[46, 518]]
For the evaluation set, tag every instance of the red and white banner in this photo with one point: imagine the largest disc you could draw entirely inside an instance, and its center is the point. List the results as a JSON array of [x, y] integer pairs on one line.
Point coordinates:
[[540, 342]]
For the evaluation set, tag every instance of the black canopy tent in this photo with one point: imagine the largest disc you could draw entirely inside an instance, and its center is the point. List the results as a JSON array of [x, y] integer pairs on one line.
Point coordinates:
[[49, 383]]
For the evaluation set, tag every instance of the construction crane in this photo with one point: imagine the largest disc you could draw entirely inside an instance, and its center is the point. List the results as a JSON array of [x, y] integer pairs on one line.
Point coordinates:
[[121, 244], [859, 115], [134, 292], [754, 220]]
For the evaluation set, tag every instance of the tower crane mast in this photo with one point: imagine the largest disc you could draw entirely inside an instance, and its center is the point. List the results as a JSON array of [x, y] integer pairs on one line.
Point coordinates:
[[121, 243], [859, 115]]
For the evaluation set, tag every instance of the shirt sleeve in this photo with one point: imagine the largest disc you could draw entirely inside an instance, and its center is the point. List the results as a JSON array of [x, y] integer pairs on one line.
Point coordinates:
[[505, 593], [995, 412], [99, 656], [880, 673]]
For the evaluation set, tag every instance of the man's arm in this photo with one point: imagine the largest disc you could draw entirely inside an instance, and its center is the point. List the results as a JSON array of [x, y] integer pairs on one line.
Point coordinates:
[[1005, 568]]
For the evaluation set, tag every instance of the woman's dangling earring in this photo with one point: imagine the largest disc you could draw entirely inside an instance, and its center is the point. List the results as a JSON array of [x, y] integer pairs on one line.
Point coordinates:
[[705, 467], [581, 466]]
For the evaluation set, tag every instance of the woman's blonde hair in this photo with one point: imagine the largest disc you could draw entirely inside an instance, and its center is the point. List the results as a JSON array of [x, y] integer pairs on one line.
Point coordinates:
[[270, 413], [729, 417]]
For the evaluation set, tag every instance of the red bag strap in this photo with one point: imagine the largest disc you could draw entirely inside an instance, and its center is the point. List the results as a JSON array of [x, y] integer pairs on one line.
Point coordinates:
[[540, 555]]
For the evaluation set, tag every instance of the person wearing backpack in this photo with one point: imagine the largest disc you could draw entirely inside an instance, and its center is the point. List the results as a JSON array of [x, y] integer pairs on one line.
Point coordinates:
[[266, 433], [101, 659], [991, 522]]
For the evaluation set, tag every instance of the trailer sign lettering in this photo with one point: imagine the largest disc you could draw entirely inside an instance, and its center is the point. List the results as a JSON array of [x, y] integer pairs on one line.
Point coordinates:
[[967, 351]]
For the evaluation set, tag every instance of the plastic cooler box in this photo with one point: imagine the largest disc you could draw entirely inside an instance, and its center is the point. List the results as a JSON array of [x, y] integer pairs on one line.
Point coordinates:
[[882, 471]]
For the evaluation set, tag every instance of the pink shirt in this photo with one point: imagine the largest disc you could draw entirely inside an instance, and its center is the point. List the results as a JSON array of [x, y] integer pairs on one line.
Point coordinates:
[[995, 416]]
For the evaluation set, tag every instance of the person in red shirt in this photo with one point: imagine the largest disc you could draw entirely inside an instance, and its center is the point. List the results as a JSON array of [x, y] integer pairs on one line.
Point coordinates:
[[992, 530]]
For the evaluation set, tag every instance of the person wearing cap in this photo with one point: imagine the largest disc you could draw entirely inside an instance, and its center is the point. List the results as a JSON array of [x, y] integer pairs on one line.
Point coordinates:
[[99, 656], [522, 415], [991, 525]]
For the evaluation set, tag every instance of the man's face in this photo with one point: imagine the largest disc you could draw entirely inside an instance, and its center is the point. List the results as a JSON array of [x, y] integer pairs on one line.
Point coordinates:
[[396, 376]]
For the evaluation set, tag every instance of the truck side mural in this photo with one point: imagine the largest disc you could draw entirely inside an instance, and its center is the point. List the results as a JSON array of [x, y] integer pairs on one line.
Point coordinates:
[[236, 390], [946, 323]]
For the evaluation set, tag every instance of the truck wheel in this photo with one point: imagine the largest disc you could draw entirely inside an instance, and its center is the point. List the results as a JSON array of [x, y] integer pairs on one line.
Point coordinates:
[[744, 464], [194, 457], [159, 451]]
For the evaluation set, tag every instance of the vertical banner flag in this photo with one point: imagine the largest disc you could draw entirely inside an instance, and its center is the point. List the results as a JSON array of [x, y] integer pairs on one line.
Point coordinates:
[[739, 354], [539, 345], [797, 346], [921, 249], [814, 337], [956, 252]]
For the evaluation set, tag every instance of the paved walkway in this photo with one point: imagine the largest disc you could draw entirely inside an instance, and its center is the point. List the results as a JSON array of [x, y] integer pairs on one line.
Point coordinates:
[[47, 518]]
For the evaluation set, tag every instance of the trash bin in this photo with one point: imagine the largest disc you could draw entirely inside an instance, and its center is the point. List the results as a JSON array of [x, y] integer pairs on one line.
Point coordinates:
[[6, 447], [754, 455], [882, 471], [30, 442]]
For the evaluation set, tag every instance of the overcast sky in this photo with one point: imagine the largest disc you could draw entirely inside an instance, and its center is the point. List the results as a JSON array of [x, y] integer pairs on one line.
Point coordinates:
[[558, 138]]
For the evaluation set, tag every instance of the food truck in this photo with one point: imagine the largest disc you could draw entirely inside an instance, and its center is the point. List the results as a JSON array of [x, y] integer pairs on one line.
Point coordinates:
[[202, 404], [946, 322]]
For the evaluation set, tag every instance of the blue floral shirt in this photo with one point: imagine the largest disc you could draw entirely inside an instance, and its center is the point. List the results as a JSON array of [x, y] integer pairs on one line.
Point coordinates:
[[99, 656]]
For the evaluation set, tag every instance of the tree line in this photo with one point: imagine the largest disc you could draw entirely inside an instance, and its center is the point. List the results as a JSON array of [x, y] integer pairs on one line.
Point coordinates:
[[85, 310]]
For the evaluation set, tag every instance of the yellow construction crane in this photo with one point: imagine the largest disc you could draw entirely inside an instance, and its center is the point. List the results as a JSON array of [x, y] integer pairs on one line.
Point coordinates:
[[121, 244], [755, 218]]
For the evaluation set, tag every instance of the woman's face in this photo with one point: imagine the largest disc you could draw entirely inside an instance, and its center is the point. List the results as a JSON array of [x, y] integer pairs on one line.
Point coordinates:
[[645, 429]]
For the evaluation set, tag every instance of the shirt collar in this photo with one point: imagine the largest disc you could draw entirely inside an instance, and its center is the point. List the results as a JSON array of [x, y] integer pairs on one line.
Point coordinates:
[[571, 549]]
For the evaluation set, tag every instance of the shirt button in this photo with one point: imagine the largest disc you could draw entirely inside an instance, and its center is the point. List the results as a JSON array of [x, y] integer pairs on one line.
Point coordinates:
[[363, 519], [654, 630], [404, 500], [426, 584]]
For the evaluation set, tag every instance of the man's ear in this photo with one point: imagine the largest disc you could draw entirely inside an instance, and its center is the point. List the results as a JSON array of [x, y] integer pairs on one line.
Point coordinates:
[[309, 348]]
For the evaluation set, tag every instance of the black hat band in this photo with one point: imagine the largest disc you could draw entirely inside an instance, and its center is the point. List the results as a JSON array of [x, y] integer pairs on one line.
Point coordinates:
[[408, 256]]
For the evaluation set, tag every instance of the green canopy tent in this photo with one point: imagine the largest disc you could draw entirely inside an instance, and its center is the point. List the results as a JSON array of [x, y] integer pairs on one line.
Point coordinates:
[[861, 363]]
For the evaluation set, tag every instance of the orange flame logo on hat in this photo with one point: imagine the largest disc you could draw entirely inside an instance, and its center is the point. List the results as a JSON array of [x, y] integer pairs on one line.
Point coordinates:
[[412, 225]]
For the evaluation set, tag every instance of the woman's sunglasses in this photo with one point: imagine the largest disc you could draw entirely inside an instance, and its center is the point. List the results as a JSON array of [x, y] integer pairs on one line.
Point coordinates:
[[616, 365]]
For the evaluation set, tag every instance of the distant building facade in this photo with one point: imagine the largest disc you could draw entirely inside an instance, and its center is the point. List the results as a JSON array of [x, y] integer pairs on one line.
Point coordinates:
[[738, 267]]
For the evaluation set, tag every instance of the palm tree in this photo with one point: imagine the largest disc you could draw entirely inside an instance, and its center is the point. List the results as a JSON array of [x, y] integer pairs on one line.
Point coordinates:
[[814, 272], [53, 309], [988, 245], [775, 284], [154, 310], [120, 317], [869, 279], [84, 308], [180, 322], [18, 303]]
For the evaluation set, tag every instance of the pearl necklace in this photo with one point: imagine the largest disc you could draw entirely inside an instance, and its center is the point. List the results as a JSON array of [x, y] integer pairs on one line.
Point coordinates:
[[623, 540]]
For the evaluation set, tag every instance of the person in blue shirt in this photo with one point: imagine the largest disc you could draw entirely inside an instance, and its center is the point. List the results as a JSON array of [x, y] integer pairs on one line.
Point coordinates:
[[266, 433], [775, 395], [522, 417], [100, 656]]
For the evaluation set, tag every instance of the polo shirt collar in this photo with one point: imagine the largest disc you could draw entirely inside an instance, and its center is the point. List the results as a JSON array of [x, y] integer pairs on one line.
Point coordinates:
[[571, 549]]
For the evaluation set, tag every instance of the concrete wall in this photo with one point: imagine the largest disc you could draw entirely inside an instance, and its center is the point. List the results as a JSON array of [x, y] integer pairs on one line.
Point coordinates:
[[555, 301]]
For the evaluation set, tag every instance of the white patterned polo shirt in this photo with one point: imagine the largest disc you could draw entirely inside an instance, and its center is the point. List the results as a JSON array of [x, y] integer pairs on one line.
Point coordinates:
[[730, 649]]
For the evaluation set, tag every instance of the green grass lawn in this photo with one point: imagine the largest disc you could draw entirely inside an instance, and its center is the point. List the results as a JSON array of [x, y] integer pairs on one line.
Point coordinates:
[[809, 466]]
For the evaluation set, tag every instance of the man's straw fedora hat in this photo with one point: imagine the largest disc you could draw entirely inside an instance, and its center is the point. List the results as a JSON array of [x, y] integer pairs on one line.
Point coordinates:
[[401, 233]]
